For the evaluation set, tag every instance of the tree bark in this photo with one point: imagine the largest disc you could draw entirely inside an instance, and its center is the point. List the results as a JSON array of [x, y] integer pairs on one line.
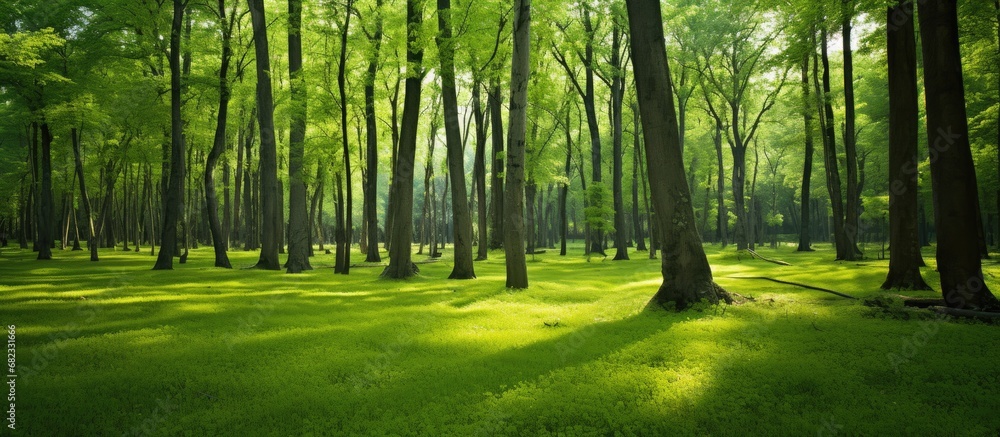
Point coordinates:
[[640, 236], [270, 226], [617, 97], [853, 202], [513, 243], [807, 114], [219, 144], [479, 172], [298, 218], [953, 173], [400, 262], [687, 276], [84, 197], [497, 166], [904, 244], [371, 190], [461, 214], [845, 248], [347, 215], [173, 204]]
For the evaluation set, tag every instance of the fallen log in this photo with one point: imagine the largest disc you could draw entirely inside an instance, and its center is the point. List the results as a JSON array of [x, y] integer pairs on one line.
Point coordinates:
[[810, 287], [760, 257]]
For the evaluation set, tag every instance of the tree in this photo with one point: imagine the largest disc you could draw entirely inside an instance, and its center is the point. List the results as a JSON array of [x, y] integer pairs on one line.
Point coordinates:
[[953, 173], [513, 243], [852, 202], [400, 262], [219, 240], [174, 202], [298, 219], [463, 268], [270, 229], [687, 276], [371, 132], [904, 245], [807, 166], [345, 208]]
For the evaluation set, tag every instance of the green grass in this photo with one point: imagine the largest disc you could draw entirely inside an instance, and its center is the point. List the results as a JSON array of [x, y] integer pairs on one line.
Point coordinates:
[[113, 347]]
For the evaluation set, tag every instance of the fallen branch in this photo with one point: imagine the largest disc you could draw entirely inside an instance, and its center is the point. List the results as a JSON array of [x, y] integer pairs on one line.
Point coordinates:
[[920, 302], [957, 312], [795, 284], [775, 261]]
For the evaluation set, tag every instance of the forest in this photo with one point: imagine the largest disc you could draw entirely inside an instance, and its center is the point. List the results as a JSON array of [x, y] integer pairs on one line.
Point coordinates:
[[367, 217]]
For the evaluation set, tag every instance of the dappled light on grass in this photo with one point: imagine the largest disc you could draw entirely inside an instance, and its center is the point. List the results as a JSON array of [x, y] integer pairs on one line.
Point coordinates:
[[238, 352]]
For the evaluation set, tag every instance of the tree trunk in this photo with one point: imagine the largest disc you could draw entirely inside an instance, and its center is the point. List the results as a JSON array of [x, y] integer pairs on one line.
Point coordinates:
[[270, 227], [497, 166], [904, 244], [687, 276], [617, 97], [479, 172], [400, 264], [219, 145], [298, 218], [462, 216], [564, 190], [640, 237], [344, 260], [173, 204], [845, 249], [513, 244], [371, 190], [953, 173], [807, 114], [84, 197], [853, 201]]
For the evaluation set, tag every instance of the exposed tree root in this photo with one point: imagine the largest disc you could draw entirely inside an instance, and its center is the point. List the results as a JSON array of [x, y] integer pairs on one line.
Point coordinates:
[[795, 284], [758, 256]]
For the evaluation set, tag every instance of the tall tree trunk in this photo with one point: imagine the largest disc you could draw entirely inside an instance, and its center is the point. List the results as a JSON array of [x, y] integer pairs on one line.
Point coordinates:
[[479, 172], [687, 276], [513, 243], [400, 261], [953, 173], [640, 236], [904, 245], [371, 190], [853, 202], [219, 145], [845, 249], [722, 213], [617, 97], [270, 227], [84, 197], [497, 166], [462, 216], [298, 219], [564, 189], [807, 114], [344, 254], [173, 204]]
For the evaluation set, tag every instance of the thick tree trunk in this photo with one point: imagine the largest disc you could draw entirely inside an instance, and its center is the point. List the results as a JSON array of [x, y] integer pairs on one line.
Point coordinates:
[[298, 218], [219, 146], [904, 244], [173, 204], [497, 166], [687, 276], [462, 216], [807, 114], [513, 244], [952, 171], [400, 262]]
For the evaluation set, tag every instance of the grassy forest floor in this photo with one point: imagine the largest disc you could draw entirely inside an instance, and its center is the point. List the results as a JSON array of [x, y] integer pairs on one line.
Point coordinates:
[[113, 347]]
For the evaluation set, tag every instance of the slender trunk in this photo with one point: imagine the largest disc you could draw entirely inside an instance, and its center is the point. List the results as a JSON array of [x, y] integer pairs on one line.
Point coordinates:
[[640, 237], [270, 227], [400, 261], [853, 201], [371, 190], [479, 171], [84, 197], [564, 190], [497, 167], [845, 249], [347, 207], [173, 203], [219, 146], [461, 214], [617, 97], [807, 114]]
